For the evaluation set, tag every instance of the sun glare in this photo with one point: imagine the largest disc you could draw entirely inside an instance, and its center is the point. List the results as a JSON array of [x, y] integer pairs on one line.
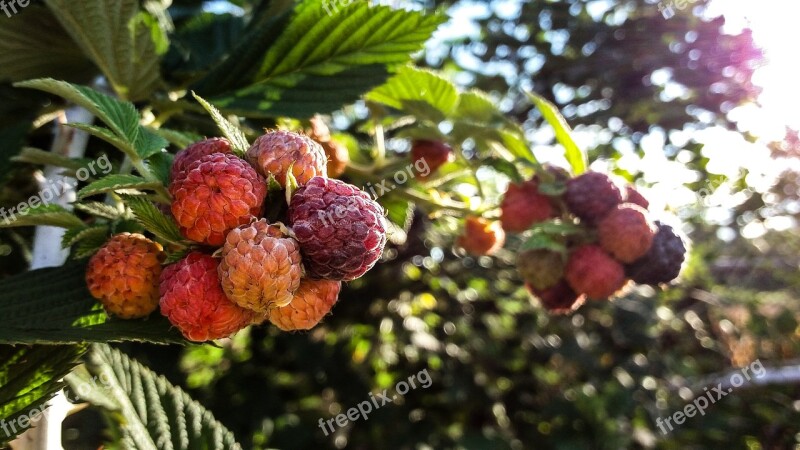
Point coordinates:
[[776, 32]]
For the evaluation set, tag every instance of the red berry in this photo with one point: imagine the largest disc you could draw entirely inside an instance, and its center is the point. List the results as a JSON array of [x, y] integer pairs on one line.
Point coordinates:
[[631, 195], [626, 232], [540, 268], [481, 237], [194, 152], [123, 275], [591, 196], [338, 157], [218, 193], [260, 266], [336, 152], [662, 263], [593, 272], [193, 301], [277, 151], [341, 230], [522, 206], [557, 299], [431, 155], [312, 301]]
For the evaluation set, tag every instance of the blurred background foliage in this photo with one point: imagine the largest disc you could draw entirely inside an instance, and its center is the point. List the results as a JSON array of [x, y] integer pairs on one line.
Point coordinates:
[[641, 91]]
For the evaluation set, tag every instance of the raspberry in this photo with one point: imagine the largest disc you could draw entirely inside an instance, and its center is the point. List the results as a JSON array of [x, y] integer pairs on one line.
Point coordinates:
[[540, 268], [193, 301], [481, 237], [336, 152], [338, 157], [631, 195], [260, 267], [626, 232], [312, 301], [218, 193], [662, 263], [522, 206], [554, 174], [123, 275], [558, 299], [433, 153], [592, 195], [192, 153], [277, 151], [319, 129], [592, 272], [341, 231]]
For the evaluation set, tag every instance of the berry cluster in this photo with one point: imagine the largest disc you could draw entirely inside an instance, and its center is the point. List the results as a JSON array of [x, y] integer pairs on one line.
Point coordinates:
[[243, 269], [599, 237]]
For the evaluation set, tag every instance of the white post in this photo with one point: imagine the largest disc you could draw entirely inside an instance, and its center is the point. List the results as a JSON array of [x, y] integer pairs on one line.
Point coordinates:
[[47, 252]]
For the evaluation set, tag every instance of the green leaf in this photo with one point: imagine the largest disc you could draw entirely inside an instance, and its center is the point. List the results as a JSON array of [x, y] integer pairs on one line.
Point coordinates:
[[305, 96], [557, 227], [146, 410], [180, 139], [116, 182], [575, 156], [202, 41], [515, 144], [74, 235], [29, 377], [36, 156], [399, 211], [476, 106], [148, 143], [154, 220], [358, 34], [53, 215], [118, 39], [542, 241], [176, 256], [90, 242], [107, 135], [47, 52], [161, 164], [322, 61], [237, 138], [53, 306], [121, 117], [505, 167], [100, 209], [419, 92]]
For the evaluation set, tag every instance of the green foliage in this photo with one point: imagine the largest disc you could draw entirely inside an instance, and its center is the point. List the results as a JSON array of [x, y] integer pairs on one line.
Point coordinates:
[[575, 156], [521, 378], [49, 51], [179, 139], [118, 38], [321, 61], [237, 139], [419, 92], [96, 234], [99, 209], [154, 220], [41, 157], [53, 215], [29, 377], [124, 131], [116, 183], [53, 306], [144, 409]]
